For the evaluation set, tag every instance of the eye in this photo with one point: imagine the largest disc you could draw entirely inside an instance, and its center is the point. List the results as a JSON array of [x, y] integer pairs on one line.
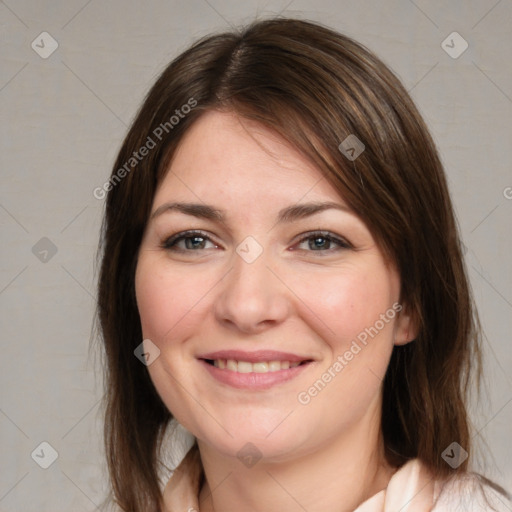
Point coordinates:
[[188, 241], [323, 241]]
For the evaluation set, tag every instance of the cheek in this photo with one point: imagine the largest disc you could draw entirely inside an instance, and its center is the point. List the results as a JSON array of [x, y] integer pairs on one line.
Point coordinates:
[[167, 301], [350, 309], [347, 304], [154, 301], [168, 304]]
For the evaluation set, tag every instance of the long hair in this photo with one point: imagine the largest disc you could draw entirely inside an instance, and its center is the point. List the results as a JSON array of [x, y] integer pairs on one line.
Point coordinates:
[[314, 87]]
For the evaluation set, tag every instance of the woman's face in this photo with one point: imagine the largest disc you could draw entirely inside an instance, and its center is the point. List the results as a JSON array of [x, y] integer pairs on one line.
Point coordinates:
[[275, 325]]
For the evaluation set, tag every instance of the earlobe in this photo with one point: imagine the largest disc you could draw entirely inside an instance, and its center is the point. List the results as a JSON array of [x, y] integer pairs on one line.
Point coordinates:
[[406, 328]]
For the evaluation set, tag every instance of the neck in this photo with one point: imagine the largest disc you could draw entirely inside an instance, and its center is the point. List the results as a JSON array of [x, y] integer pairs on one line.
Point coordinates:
[[339, 475]]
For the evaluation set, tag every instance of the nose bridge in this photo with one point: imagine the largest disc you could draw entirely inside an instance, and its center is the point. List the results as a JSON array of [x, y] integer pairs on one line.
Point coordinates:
[[251, 296]]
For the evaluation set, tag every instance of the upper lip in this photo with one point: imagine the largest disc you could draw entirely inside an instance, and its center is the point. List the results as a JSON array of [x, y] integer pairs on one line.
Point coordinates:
[[255, 357]]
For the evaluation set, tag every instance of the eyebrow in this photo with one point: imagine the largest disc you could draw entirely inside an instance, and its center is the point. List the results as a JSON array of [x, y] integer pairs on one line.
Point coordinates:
[[288, 214]]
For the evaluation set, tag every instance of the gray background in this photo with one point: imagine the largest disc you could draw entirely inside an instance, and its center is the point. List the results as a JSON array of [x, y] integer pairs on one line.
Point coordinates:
[[63, 119]]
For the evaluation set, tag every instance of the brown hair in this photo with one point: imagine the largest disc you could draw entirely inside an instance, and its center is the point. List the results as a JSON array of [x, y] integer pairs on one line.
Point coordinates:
[[314, 87]]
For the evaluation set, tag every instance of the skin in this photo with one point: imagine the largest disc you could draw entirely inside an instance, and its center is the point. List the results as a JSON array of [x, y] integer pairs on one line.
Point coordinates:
[[294, 297]]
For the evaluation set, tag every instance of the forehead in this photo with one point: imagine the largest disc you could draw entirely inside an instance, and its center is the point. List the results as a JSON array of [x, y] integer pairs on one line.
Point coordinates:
[[223, 155]]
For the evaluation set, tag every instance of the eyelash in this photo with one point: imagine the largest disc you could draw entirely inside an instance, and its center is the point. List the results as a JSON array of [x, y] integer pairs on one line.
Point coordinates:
[[170, 243]]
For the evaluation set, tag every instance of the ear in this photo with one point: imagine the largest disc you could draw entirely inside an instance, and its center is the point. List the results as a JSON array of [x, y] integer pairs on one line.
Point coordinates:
[[406, 327]]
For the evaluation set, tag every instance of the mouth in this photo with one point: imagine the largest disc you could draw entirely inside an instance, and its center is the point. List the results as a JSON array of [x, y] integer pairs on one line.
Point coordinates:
[[254, 370], [240, 366]]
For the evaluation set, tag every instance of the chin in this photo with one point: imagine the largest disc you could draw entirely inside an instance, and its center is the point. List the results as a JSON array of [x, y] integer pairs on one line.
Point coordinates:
[[256, 440]]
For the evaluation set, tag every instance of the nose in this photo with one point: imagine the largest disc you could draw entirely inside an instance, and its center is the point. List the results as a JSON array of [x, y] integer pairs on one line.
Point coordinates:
[[251, 297]]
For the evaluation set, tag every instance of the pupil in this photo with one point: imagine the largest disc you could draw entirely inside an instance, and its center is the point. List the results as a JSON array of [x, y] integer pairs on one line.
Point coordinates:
[[320, 242], [195, 242]]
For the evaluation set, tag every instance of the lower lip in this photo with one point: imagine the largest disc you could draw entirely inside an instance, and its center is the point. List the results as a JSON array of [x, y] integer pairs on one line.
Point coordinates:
[[253, 380]]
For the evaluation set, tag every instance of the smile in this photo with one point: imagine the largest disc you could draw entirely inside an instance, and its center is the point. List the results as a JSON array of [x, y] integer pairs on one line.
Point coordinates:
[[248, 367], [253, 370]]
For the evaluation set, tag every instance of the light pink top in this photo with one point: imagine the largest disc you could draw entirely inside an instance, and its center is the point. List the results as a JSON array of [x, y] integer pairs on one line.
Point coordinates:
[[410, 489]]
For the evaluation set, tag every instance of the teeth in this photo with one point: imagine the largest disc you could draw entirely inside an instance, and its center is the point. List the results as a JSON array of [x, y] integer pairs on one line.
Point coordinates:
[[232, 365], [274, 366], [244, 367], [259, 367]]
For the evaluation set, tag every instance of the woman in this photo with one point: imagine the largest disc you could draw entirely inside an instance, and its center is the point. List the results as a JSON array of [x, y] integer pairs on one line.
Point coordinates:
[[279, 232]]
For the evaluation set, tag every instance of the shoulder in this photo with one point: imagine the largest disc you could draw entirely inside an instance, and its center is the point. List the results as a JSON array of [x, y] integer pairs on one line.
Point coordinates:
[[471, 493]]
